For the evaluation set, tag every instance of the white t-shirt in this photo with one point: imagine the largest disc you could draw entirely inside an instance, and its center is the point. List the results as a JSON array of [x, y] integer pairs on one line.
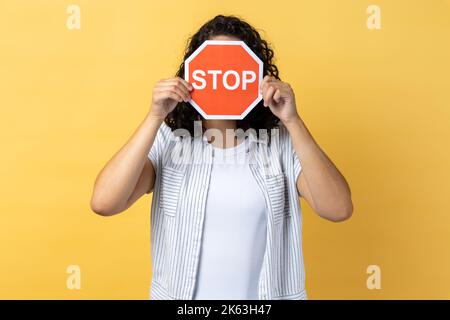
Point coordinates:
[[234, 234]]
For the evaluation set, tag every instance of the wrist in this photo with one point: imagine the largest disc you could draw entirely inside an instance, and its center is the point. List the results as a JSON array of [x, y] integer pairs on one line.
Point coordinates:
[[155, 117], [293, 122]]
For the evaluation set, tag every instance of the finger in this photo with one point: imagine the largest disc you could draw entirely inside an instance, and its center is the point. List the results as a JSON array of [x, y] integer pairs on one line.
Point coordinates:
[[168, 94], [268, 95], [180, 90], [182, 84], [181, 81], [264, 86], [269, 83], [175, 86], [277, 96], [264, 81], [164, 91], [268, 78], [172, 95]]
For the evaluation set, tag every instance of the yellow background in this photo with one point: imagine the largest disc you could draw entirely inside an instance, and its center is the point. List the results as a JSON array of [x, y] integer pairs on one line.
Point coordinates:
[[378, 102]]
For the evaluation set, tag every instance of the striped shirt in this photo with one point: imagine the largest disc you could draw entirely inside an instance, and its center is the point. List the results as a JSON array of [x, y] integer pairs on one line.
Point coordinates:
[[183, 170]]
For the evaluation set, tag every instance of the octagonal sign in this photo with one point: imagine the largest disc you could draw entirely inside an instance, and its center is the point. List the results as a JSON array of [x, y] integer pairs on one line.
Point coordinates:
[[226, 76]]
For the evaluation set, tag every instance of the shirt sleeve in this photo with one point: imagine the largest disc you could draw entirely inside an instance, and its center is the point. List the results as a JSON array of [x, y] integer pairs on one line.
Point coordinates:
[[297, 165], [289, 153], [157, 151]]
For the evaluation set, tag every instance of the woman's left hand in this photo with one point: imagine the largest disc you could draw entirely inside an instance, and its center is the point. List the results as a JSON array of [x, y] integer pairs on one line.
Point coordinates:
[[280, 98]]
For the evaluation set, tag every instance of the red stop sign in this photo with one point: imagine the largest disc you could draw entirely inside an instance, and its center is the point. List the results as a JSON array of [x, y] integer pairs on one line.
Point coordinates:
[[226, 76]]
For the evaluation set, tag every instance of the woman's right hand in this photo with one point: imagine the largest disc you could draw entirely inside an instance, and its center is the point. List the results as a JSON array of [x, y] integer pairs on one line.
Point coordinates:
[[167, 93], [130, 174]]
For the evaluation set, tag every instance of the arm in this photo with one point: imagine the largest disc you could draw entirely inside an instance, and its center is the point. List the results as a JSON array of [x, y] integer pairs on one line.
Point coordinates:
[[130, 174], [320, 183]]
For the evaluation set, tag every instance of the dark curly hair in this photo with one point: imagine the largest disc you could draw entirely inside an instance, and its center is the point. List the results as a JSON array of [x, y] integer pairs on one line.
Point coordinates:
[[184, 115]]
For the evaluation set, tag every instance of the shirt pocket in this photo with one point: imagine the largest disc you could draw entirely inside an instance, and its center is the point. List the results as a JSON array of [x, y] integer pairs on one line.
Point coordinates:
[[279, 200], [171, 181]]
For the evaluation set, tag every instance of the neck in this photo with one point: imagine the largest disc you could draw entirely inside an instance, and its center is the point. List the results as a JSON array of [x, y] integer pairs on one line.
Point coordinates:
[[218, 135]]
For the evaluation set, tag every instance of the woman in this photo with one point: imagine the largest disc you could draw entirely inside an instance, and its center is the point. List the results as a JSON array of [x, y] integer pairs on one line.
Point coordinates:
[[222, 228]]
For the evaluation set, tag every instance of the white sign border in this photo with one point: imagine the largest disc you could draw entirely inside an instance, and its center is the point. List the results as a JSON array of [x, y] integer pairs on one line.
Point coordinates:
[[232, 43]]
